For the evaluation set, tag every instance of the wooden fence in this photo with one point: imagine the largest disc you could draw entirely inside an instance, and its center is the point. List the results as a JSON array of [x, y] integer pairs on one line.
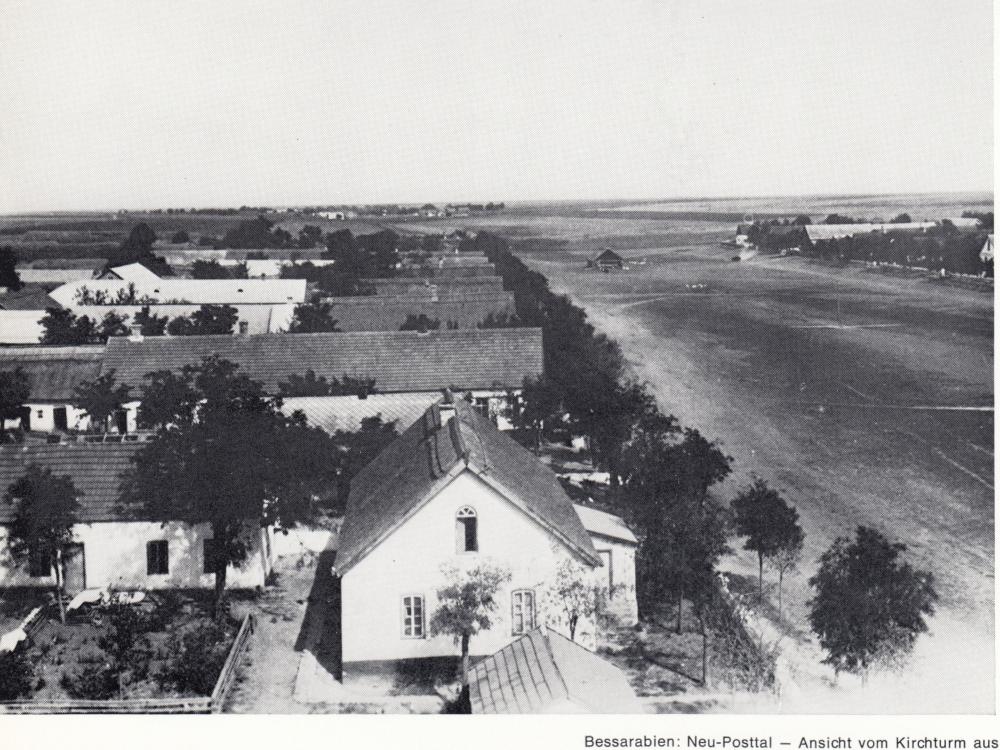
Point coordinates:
[[201, 705]]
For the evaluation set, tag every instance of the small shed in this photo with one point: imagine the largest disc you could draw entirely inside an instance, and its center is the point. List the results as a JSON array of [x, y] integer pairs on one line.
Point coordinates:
[[543, 672], [608, 259]]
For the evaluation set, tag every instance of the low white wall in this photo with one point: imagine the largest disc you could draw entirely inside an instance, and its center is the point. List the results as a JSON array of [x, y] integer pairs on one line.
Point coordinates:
[[296, 541], [115, 555]]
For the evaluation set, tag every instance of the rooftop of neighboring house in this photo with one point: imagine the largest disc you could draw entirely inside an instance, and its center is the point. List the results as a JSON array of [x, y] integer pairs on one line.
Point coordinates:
[[399, 361], [608, 255], [389, 313], [601, 523], [28, 297], [95, 469], [818, 232], [545, 672], [134, 272], [443, 285], [332, 413], [53, 372], [183, 291], [450, 438]]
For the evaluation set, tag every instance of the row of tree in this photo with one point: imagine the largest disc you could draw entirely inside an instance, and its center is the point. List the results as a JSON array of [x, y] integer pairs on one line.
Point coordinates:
[[61, 327]]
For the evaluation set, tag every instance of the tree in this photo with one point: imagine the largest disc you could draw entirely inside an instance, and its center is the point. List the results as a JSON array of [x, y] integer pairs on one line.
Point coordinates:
[[540, 405], [310, 236], [180, 237], [101, 399], [574, 595], [802, 221], [209, 269], [420, 323], [499, 320], [15, 390], [787, 558], [112, 324], [467, 604], [206, 320], [61, 327], [768, 522], [225, 455], [16, 675], [683, 531], [8, 269], [150, 324], [46, 509], [902, 219], [869, 605], [313, 317]]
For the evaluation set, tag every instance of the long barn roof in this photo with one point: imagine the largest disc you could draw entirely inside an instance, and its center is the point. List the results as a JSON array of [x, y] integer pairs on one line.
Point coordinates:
[[399, 361]]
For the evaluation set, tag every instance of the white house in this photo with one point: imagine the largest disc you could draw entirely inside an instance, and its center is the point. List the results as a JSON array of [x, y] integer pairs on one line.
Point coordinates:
[[986, 254], [452, 492], [107, 292], [112, 546], [54, 373]]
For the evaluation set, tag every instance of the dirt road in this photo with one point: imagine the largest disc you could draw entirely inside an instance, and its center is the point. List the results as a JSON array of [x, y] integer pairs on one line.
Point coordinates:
[[865, 398]]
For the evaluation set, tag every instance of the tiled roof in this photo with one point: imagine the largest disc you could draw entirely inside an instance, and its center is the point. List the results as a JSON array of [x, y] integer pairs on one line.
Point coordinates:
[[94, 468], [443, 285], [389, 313], [545, 672], [53, 371], [192, 291], [400, 361], [28, 297], [332, 413], [427, 456], [606, 524]]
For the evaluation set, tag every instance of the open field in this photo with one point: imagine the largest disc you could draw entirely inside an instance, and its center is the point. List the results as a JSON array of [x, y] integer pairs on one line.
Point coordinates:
[[866, 398]]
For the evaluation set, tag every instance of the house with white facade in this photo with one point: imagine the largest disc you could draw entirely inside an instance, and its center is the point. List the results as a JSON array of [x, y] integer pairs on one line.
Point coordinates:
[[114, 546], [54, 373], [450, 493]]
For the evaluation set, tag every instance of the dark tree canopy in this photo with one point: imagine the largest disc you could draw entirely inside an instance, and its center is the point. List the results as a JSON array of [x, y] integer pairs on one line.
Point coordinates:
[[207, 320], [150, 324], [15, 390], [8, 269], [313, 317], [869, 605], [101, 399], [60, 327], [239, 466], [768, 522], [420, 323]]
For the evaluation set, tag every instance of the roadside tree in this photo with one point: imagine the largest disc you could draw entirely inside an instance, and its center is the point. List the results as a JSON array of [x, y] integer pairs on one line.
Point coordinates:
[[768, 522], [869, 605], [15, 389], [101, 398]]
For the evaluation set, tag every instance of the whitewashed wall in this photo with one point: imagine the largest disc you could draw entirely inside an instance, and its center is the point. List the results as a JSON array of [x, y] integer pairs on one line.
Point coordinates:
[[622, 600], [409, 562], [115, 555]]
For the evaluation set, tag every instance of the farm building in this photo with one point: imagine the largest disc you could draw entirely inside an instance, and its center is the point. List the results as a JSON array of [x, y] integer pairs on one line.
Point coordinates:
[[428, 286], [451, 492], [104, 292], [818, 232], [390, 313], [608, 259], [54, 373], [113, 546], [544, 672], [488, 363], [133, 272]]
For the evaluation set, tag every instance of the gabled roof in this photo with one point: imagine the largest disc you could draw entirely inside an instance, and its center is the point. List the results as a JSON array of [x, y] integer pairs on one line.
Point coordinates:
[[428, 456], [95, 469], [134, 272], [602, 523], [53, 372], [545, 672], [609, 254], [332, 413], [400, 361]]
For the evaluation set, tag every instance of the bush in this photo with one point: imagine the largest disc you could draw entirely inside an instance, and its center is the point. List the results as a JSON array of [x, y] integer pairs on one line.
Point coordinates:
[[16, 675], [196, 654], [125, 624], [94, 680]]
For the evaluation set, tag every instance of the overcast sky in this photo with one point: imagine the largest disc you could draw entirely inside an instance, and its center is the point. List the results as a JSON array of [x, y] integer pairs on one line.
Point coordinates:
[[143, 104]]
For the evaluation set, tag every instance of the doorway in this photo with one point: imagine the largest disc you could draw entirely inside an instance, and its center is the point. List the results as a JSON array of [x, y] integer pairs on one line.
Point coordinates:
[[74, 569], [59, 418]]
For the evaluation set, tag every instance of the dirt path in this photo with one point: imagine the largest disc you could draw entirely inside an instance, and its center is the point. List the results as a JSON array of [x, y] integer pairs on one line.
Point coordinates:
[[793, 365]]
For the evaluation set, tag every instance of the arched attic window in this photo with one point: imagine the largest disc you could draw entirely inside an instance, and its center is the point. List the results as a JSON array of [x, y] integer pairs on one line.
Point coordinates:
[[466, 530]]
